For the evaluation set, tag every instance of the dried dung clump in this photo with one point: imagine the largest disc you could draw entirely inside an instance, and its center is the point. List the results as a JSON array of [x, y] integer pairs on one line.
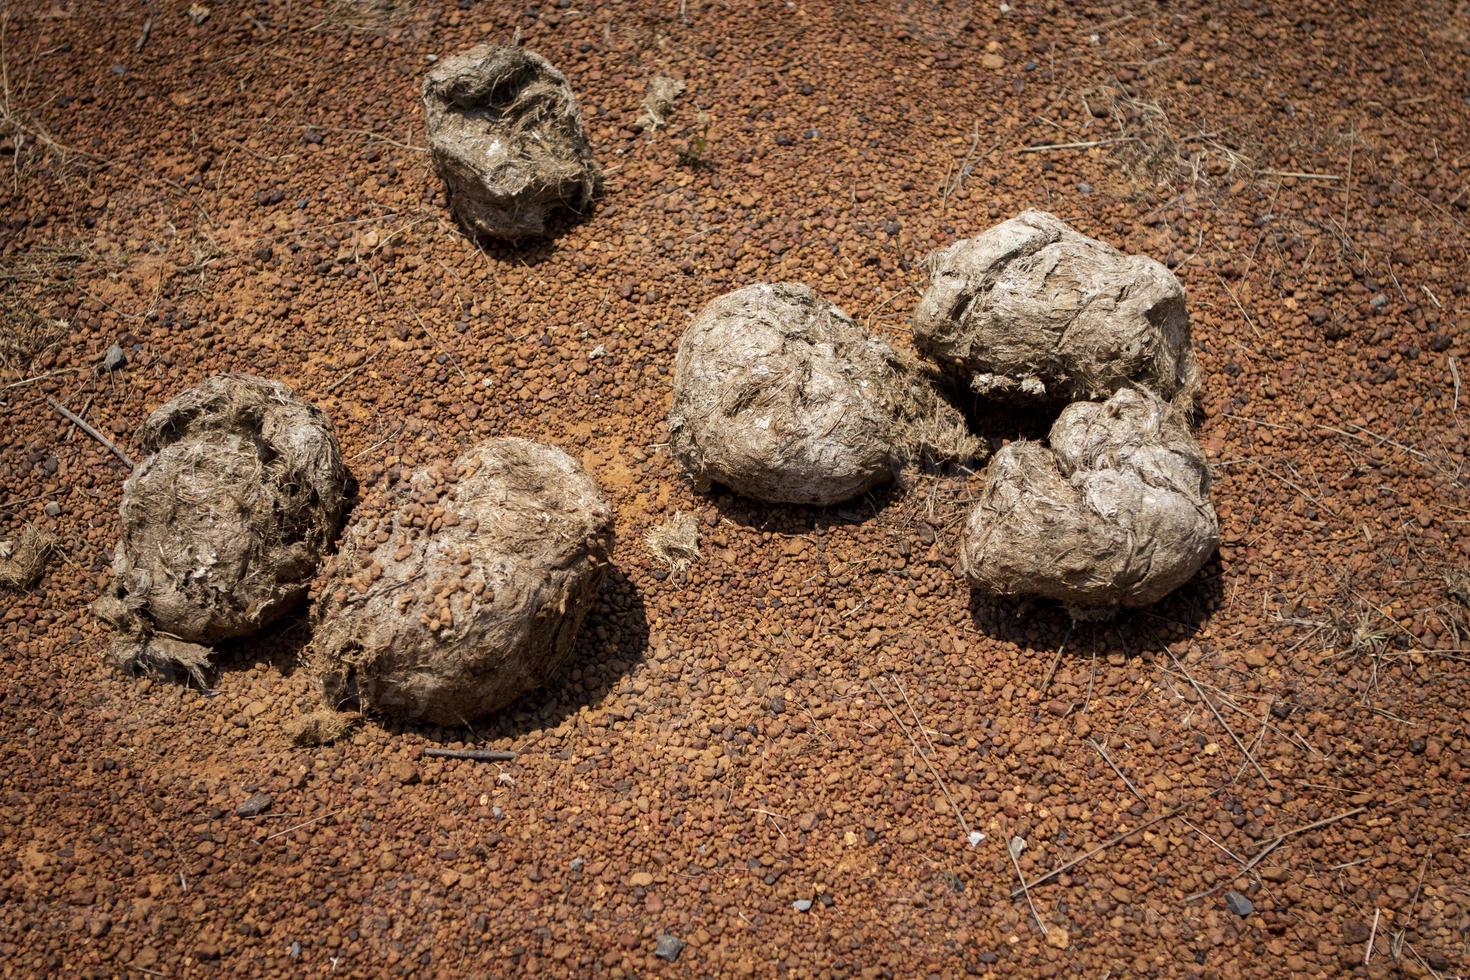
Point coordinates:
[[663, 93], [1115, 513], [780, 396], [321, 727], [675, 542], [506, 135], [225, 522], [1031, 310], [22, 561], [464, 586]]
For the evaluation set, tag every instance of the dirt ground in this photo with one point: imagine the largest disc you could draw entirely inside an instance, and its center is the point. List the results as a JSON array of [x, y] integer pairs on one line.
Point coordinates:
[[781, 757]]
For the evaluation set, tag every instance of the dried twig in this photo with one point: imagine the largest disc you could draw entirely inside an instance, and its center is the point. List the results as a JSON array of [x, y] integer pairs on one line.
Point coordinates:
[[474, 755], [1084, 145], [1311, 826], [1126, 781], [304, 823], [1372, 935], [1218, 717], [938, 779], [1096, 850], [81, 423], [1011, 850]]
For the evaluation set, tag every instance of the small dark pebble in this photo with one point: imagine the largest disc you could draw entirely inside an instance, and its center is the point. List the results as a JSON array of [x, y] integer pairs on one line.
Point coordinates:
[[1239, 904], [255, 806], [669, 947]]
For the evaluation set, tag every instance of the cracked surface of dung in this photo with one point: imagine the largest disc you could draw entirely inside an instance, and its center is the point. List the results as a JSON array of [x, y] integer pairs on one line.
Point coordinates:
[[1031, 310]]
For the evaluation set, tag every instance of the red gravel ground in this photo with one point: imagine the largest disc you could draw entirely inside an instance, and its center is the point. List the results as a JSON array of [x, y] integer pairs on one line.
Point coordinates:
[[818, 710]]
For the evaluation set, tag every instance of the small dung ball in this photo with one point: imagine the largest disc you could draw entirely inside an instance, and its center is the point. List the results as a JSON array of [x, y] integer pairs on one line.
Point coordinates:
[[1115, 511], [225, 521], [780, 396], [1033, 311], [506, 135], [464, 586]]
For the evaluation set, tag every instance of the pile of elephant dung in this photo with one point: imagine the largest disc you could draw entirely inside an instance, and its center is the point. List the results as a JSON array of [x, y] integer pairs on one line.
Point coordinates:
[[462, 587], [780, 396], [1113, 512], [507, 137], [1031, 310], [224, 523]]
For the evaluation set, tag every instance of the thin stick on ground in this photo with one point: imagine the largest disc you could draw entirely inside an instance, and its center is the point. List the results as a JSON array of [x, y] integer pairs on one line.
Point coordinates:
[[304, 823], [1396, 948], [1115, 839], [1051, 672], [1219, 717], [1113, 766], [1025, 889], [1372, 935], [1314, 825], [473, 755], [81, 423], [1245, 869], [938, 779]]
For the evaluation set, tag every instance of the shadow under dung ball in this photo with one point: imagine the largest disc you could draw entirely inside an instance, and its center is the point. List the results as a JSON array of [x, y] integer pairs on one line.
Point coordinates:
[[224, 523], [464, 586], [506, 135], [780, 396], [1033, 311], [1115, 513]]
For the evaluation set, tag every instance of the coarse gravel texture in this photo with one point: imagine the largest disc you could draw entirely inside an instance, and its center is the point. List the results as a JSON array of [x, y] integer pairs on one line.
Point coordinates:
[[805, 714]]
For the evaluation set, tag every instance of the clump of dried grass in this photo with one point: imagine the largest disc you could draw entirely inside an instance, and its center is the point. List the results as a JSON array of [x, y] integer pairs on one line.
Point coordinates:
[[370, 16], [24, 334], [1154, 148], [23, 560], [663, 92], [675, 542]]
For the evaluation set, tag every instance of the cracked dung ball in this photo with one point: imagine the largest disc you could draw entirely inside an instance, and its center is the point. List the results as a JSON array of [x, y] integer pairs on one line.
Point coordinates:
[[1115, 511], [464, 586], [1031, 310], [224, 523], [506, 136], [780, 396]]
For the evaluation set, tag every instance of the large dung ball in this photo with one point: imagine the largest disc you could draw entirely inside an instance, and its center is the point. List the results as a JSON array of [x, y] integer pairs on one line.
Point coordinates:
[[462, 587], [1031, 310], [1116, 512], [225, 522], [506, 135], [780, 396]]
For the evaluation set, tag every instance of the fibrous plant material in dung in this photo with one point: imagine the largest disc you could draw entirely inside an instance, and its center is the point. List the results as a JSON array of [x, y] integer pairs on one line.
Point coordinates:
[[462, 587], [321, 727], [224, 523], [1032, 310], [506, 135], [23, 560], [1115, 511], [675, 542], [780, 396]]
